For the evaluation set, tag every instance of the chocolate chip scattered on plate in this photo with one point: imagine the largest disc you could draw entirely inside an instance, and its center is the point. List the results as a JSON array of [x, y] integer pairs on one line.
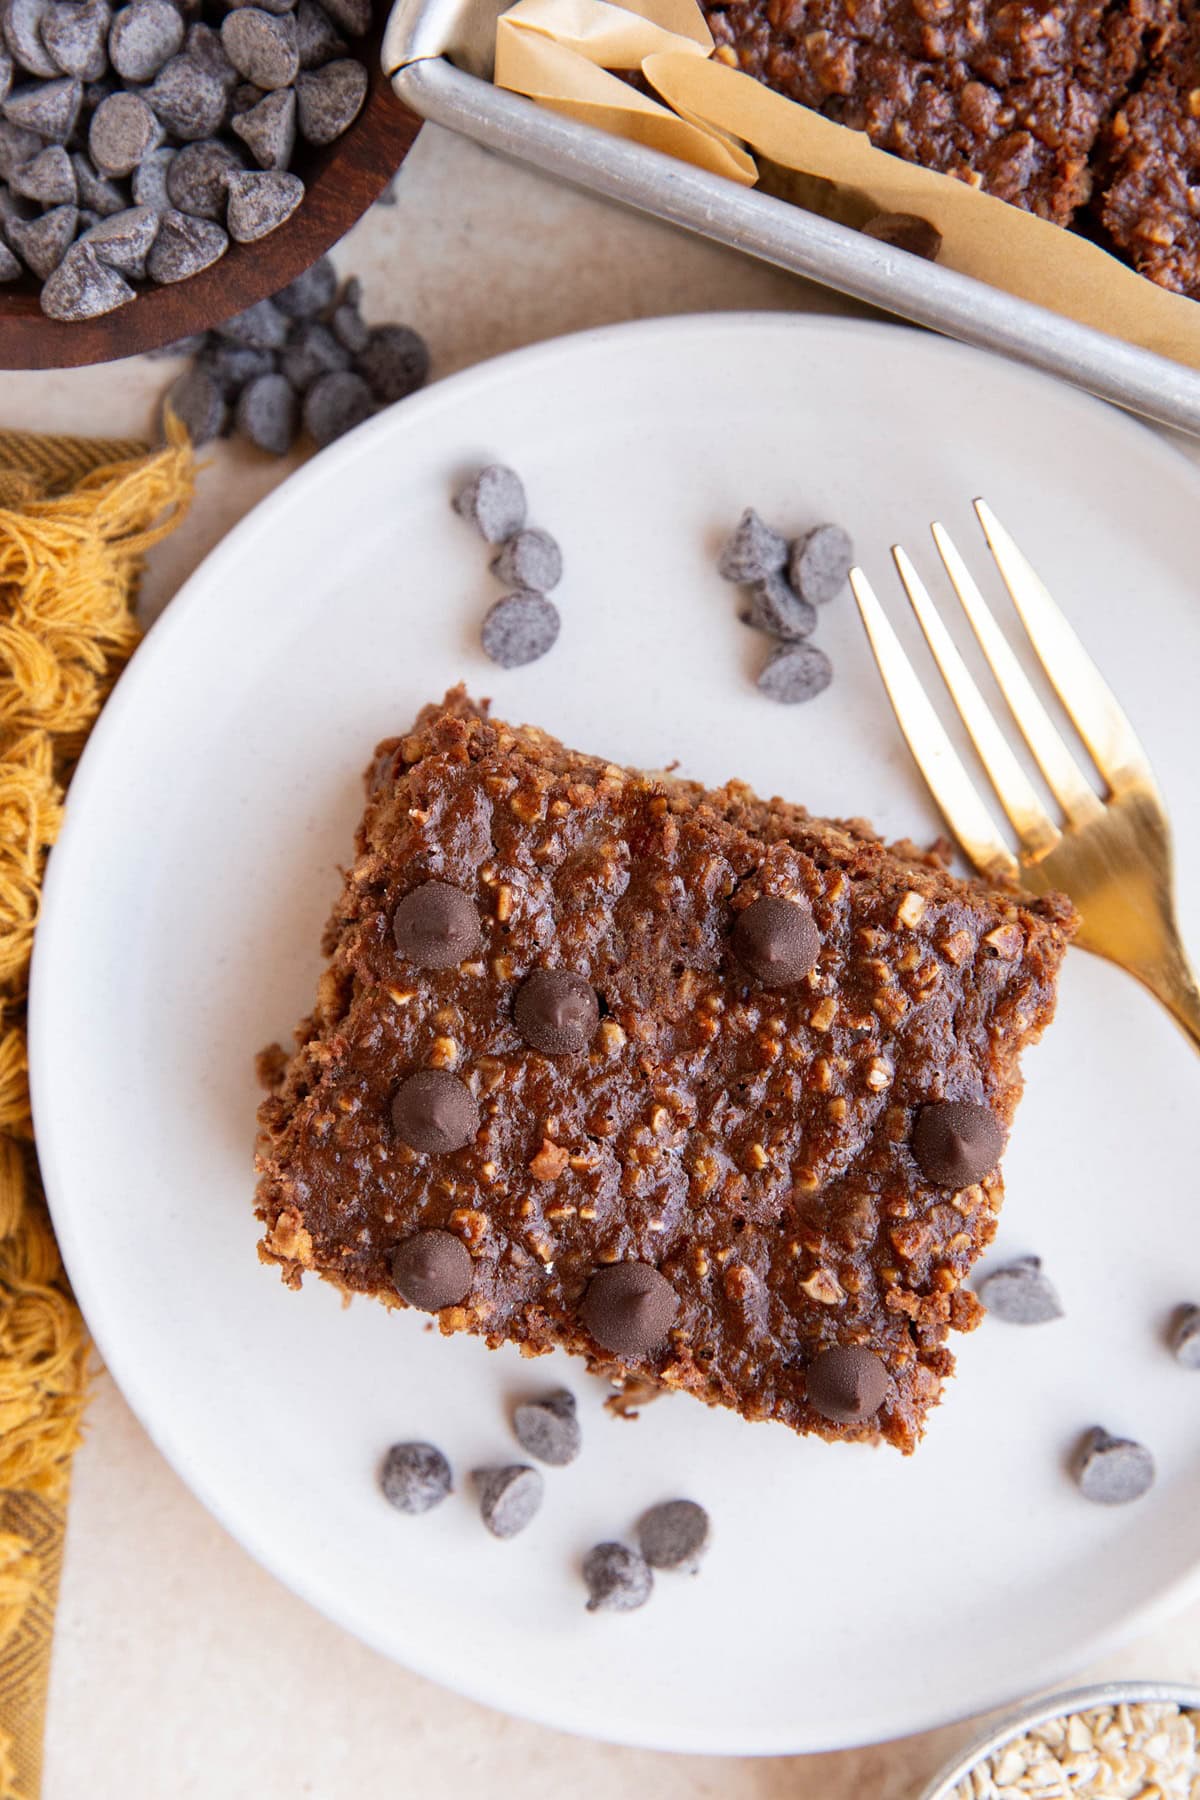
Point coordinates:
[[509, 1497], [617, 1578], [548, 1428], [1111, 1471], [675, 1535], [1020, 1293], [415, 1477]]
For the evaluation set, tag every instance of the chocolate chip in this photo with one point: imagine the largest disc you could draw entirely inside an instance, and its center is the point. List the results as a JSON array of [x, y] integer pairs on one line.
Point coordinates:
[[233, 365], [49, 178], [204, 46], [617, 1579], [432, 1269], [819, 564], [22, 22], [143, 37], [11, 267], [754, 551], [628, 1308], [1020, 1294], [42, 243], [519, 629], [124, 239], [1184, 1337], [905, 231], [317, 41], [268, 129], [76, 36], [6, 70], [776, 940], [48, 107], [494, 502], [508, 1498], [312, 351], [262, 326], [395, 361], [184, 246], [199, 404], [349, 327], [351, 16], [774, 608], [262, 46], [846, 1383], [268, 414], [435, 1111], [82, 287], [329, 99], [675, 1535], [415, 1477], [548, 1428], [96, 191], [795, 673], [188, 97], [260, 200], [957, 1142], [123, 131], [197, 177], [334, 405], [149, 182], [556, 1012], [1111, 1470], [530, 559], [17, 146], [436, 926], [271, 6], [310, 293]]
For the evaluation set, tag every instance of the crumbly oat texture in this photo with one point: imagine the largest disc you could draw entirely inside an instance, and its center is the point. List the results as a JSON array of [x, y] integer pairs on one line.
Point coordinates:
[[1112, 1753], [1011, 98], [729, 1156]]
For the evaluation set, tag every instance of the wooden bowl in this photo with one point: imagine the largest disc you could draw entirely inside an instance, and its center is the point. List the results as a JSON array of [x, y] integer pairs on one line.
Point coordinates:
[[342, 181]]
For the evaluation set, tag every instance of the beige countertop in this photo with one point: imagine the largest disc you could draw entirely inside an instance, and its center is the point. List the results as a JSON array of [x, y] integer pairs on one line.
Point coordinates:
[[182, 1669]]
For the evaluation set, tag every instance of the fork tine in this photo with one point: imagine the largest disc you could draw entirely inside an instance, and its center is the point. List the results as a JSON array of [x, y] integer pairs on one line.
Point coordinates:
[[1078, 682], [939, 762], [1057, 764], [1033, 825]]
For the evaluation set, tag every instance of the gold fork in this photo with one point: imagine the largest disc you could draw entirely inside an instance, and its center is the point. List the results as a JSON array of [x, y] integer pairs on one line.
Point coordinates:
[[1112, 856]]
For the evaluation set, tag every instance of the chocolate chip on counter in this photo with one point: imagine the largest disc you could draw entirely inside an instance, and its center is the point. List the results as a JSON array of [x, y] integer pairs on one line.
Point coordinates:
[[508, 1498], [197, 401], [415, 1477], [312, 351], [617, 1579], [48, 107], [144, 36], [556, 1012], [819, 564], [334, 405], [268, 414], [123, 240], [311, 292], [329, 99], [519, 628], [847, 1383], [260, 200], [42, 243], [149, 180], [349, 327], [753, 552], [75, 32], [1111, 1470], [395, 362], [233, 365], [795, 673], [262, 46], [317, 40], [184, 346], [905, 231], [435, 1112], [774, 608], [48, 178], [494, 502], [82, 287], [268, 129], [436, 926], [548, 1428], [776, 940], [197, 177], [628, 1308], [22, 24], [675, 1535], [184, 246], [262, 326], [351, 16], [432, 1269], [530, 559], [957, 1142], [11, 267], [1020, 1294], [188, 97], [1184, 1337], [123, 131]]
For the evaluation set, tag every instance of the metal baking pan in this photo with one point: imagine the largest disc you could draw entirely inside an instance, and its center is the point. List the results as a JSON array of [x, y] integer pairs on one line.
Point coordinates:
[[439, 56]]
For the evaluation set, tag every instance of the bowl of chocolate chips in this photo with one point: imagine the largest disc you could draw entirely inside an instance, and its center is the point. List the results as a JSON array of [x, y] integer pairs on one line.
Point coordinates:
[[167, 164]]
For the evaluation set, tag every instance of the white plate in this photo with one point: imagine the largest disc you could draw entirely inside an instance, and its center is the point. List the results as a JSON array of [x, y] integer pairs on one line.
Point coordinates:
[[850, 1594]]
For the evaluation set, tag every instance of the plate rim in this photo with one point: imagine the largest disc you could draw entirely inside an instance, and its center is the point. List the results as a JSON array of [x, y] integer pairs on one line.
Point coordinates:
[[1168, 1598]]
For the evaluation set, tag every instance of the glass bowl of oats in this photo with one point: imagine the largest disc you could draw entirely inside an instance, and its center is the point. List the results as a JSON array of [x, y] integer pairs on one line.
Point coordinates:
[[1122, 1741]]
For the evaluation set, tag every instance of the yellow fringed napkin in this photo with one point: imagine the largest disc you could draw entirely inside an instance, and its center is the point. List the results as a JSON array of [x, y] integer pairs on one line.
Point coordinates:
[[76, 519]]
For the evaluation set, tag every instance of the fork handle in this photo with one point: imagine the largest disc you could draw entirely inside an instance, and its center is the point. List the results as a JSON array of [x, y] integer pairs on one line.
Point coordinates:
[[1172, 980]]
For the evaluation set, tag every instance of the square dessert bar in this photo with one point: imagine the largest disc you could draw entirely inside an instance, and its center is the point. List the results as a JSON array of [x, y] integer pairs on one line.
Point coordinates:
[[705, 1090]]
